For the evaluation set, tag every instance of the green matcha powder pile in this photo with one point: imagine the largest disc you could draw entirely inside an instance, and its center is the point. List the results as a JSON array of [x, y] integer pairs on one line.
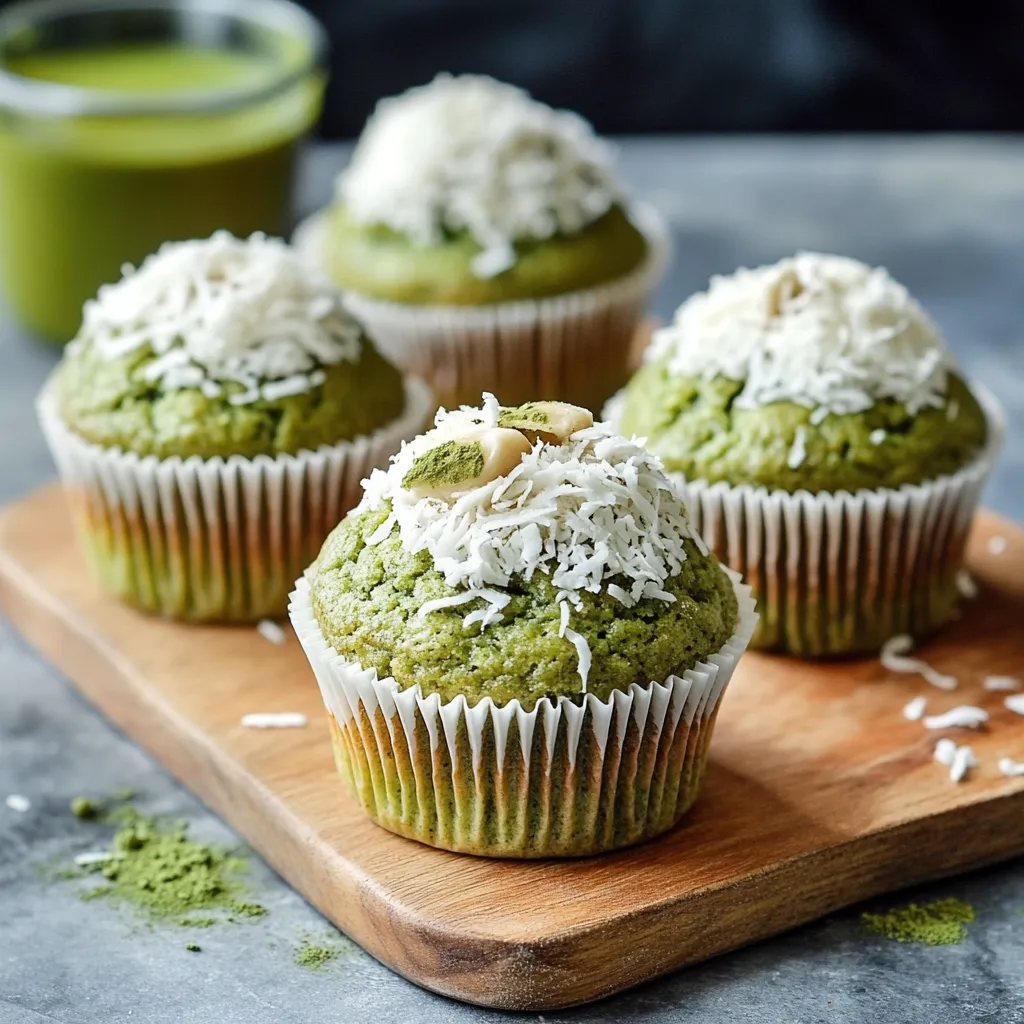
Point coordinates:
[[940, 923], [166, 874]]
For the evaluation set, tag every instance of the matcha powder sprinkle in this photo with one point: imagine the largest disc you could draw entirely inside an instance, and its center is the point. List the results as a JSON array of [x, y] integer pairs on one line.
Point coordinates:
[[165, 873], [314, 957], [940, 923]]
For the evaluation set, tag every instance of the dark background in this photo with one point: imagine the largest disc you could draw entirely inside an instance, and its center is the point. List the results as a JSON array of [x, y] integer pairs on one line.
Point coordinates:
[[697, 65]]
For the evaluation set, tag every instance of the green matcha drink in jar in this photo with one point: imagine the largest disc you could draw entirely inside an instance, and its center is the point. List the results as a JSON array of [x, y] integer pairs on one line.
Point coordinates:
[[126, 123]]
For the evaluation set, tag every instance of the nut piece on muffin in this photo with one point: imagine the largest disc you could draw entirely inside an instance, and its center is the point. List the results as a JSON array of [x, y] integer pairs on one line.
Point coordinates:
[[531, 622], [811, 407], [469, 207], [232, 398]]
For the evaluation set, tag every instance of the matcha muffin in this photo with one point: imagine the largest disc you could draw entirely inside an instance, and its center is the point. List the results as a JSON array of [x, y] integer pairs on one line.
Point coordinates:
[[829, 448], [521, 643], [486, 240], [211, 421]]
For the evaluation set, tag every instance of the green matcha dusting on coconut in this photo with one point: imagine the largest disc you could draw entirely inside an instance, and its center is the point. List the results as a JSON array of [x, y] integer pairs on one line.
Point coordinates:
[[940, 923], [451, 462], [816, 373], [533, 413], [159, 870], [573, 571]]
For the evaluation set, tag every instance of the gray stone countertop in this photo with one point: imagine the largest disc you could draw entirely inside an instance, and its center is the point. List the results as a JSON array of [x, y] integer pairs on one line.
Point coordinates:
[[946, 216]]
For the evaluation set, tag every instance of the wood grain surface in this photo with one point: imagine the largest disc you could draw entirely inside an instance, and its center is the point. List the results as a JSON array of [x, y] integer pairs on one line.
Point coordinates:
[[819, 792]]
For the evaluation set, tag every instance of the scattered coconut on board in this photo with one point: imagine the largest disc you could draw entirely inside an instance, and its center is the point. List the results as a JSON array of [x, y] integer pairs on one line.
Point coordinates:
[[18, 803], [958, 759], [1015, 703], [963, 717], [915, 709], [1011, 768], [272, 631], [1000, 683], [997, 545], [894, 658], [274, 720]]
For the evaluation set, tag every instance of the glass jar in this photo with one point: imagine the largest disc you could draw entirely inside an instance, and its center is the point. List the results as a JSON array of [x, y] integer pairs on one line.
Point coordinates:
[[127, 123]]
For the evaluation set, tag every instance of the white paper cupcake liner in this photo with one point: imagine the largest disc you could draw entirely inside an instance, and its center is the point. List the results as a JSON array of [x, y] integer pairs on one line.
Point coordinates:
[[840, 573], [214, 539], [572, 348], [559, 780]]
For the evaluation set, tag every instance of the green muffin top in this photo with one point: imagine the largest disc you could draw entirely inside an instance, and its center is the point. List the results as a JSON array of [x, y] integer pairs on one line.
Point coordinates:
[[552, 560], [223, 347], [817, 373], [467, 191]]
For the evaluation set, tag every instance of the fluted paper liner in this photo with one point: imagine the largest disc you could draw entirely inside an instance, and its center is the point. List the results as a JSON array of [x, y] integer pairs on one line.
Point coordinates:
[[214, 539], [500, 781], [841, 573], [572, 348]]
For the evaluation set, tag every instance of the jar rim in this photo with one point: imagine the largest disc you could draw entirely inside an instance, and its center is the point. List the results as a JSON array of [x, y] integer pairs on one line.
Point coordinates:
[[31, 96]]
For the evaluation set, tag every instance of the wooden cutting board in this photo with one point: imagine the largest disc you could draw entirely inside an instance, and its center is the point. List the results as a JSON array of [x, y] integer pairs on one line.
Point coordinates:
[[819, 792]]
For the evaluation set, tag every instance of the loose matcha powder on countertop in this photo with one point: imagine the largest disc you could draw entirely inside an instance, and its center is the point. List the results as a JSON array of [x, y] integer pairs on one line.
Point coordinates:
[[163, 872], [940, 923]]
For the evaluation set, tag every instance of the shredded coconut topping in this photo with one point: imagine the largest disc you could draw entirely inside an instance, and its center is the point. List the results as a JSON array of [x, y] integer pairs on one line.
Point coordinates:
[[468, 153], [1011, 768], [828, 333], [224, 309], [597, 513], [894, 658]]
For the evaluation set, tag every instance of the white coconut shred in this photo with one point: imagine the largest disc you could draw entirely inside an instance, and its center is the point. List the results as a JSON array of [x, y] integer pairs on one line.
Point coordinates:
[[595, 508], [825, 332], [468, 153], [225, 310]]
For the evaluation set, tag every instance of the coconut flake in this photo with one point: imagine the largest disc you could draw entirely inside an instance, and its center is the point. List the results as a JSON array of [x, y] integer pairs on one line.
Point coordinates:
[[997, 545], [966, 586], [997, 683], [798, 452], [18, 803], [1015, 704], [270, 630], [91, 857], [468, 153], [828, 333], [963, 717], [596, 513], [963, 761], [1011, 768], [952, 410], [225, 310], [877, 436], [893, 658], [274, 720], [915, 709], [582, 652]]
